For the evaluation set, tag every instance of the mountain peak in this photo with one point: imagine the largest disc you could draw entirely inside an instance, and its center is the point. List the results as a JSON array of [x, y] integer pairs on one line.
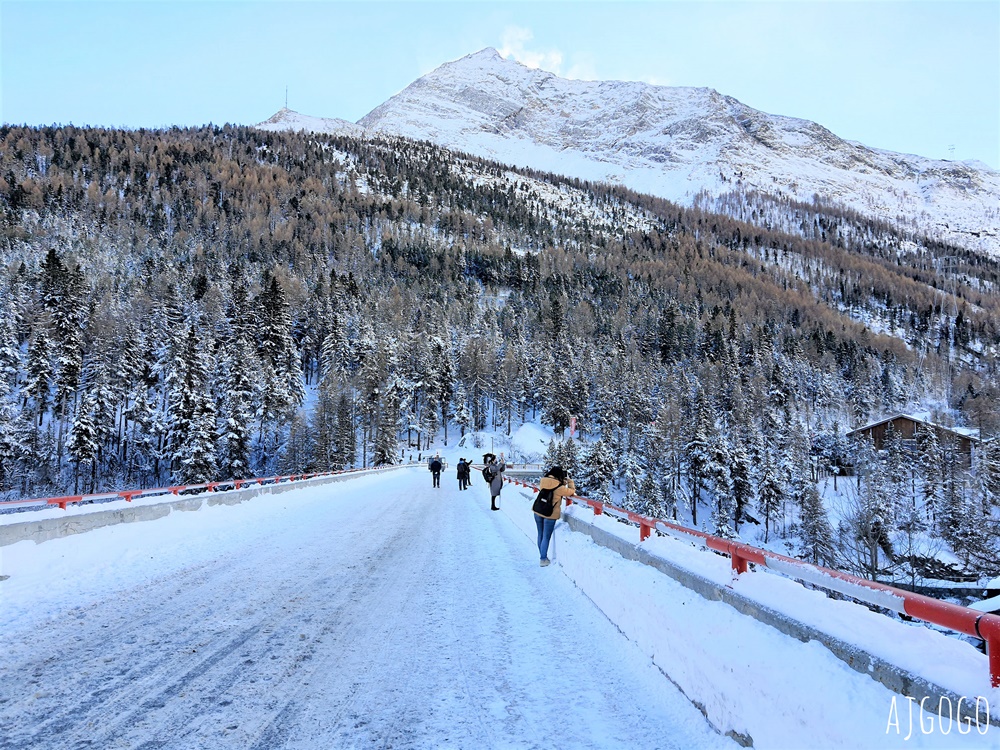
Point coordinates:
[[289, 119], [674, 142]]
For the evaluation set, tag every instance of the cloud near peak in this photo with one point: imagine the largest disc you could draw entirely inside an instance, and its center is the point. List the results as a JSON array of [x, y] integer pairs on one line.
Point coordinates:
[[514, 44]]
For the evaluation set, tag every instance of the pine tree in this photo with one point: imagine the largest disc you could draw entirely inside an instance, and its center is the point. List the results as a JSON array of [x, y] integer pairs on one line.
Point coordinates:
[[818, 544], [298, 450], [632, 474], [555, 410], [569, 457], [82, 445], [875, 517], [197, 462], [697, 452], [770, 493], [652, 502], [346, 453], [39, 373], [463, 416], [598, 469], [191, 416], [552, 453], [929, 461], [237, 409], [323, 425], [742, 487], [722, 487], [10, 445]]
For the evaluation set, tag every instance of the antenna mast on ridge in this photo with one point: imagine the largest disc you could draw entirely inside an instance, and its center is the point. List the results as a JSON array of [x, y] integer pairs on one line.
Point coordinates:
[[286, 96]]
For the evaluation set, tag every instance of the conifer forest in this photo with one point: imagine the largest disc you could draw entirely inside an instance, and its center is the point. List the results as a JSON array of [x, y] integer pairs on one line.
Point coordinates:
[[188, 305]]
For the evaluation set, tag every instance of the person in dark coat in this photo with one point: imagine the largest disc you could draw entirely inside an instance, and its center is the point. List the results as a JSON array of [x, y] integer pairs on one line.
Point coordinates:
[[435, 467], [464, 474]]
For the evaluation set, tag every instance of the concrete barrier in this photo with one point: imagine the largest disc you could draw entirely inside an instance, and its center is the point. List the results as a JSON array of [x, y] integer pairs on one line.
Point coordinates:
[[890, 675], [94, 517]]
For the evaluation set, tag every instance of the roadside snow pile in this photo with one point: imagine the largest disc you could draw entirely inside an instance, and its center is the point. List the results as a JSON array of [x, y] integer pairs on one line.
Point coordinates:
[[750, 678]]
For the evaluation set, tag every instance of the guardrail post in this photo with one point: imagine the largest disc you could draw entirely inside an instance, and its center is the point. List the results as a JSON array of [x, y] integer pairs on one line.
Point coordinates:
[[988, 629], [128, 495], [993, 651], [644, 531], [598, 509], [739, 562]]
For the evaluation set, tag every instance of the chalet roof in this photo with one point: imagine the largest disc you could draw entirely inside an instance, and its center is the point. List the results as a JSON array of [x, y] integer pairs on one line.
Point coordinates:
[[965, 432]]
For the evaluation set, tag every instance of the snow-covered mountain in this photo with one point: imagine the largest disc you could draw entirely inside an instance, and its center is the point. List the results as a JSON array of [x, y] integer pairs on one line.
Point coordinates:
[[286, 119], [673, 142]]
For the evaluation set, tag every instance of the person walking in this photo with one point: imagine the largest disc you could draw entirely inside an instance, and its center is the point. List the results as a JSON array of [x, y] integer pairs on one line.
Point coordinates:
[[553, 487], [435, 467], [464, 475], [493, 474]]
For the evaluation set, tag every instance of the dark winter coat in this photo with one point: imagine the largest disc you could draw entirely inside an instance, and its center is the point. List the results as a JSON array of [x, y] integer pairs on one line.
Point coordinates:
[[436, 466], [463, 471], [559, 491]]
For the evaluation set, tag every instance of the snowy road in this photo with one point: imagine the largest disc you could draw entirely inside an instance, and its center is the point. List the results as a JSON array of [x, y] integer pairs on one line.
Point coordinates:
[[374, 613]]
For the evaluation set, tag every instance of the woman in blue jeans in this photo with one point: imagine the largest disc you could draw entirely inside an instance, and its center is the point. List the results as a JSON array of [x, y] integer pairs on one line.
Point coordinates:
[[562, 486]]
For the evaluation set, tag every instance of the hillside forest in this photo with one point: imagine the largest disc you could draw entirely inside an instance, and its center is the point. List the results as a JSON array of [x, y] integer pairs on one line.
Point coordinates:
[[186, 305]]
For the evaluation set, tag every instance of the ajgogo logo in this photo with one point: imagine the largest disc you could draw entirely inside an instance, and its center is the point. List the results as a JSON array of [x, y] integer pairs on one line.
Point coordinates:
[[948, 714]]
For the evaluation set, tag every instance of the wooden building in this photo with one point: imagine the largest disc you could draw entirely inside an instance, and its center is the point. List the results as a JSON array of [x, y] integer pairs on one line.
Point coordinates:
[[907, 425]]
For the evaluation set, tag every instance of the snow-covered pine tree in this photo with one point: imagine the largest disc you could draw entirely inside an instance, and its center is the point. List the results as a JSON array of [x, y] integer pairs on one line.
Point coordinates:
[[82, 444], [10, 447], [197, 463], [555, 409], [323, 424], [278, 348], [741, 483], [598, 469], [874, 519], [651, 496], [569, 457], [719, 476], [39, 373], [818, 545], [928, 464], [631, 473], [463, 416], [770, 493], [552, 454], [298, 451], [190, 415], [237, 410], [697, 451], [346, 453]]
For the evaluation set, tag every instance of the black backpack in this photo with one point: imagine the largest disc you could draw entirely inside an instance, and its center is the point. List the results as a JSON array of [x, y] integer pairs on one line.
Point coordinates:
[[435, 466], [543, 505], [488, 474]]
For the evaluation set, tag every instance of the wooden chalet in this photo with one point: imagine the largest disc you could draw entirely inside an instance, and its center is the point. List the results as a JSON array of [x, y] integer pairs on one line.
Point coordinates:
[[907, 425]]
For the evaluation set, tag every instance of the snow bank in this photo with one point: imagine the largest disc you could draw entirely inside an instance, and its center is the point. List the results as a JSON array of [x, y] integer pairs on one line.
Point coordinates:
[[750, 679]]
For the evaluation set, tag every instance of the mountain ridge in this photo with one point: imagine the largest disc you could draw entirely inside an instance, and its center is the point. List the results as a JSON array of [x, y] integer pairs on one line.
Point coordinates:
[[674, 143]]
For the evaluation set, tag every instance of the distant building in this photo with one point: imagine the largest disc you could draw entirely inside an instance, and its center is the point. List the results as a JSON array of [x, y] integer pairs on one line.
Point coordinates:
[[907, 425]]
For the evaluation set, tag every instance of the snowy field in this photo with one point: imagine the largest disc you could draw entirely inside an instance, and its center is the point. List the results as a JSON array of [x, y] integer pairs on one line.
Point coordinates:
[[372, 613]]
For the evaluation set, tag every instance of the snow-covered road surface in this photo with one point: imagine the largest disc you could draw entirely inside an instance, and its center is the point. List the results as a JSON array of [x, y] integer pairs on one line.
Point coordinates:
[[373, 613]]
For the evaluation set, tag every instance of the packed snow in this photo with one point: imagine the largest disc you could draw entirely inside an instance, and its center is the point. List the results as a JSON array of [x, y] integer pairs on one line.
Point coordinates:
[[380, 611], [375, 612]]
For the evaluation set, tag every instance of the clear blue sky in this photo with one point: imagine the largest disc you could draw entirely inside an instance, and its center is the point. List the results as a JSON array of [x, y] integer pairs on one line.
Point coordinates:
[[917, 77]]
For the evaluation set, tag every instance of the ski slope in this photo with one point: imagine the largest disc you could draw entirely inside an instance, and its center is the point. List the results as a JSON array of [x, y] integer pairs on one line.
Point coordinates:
[[377, 612]]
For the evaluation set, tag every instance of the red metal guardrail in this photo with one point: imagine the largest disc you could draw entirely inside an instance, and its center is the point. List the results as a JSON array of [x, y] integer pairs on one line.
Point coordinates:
[[944, 614], [129, 495]]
